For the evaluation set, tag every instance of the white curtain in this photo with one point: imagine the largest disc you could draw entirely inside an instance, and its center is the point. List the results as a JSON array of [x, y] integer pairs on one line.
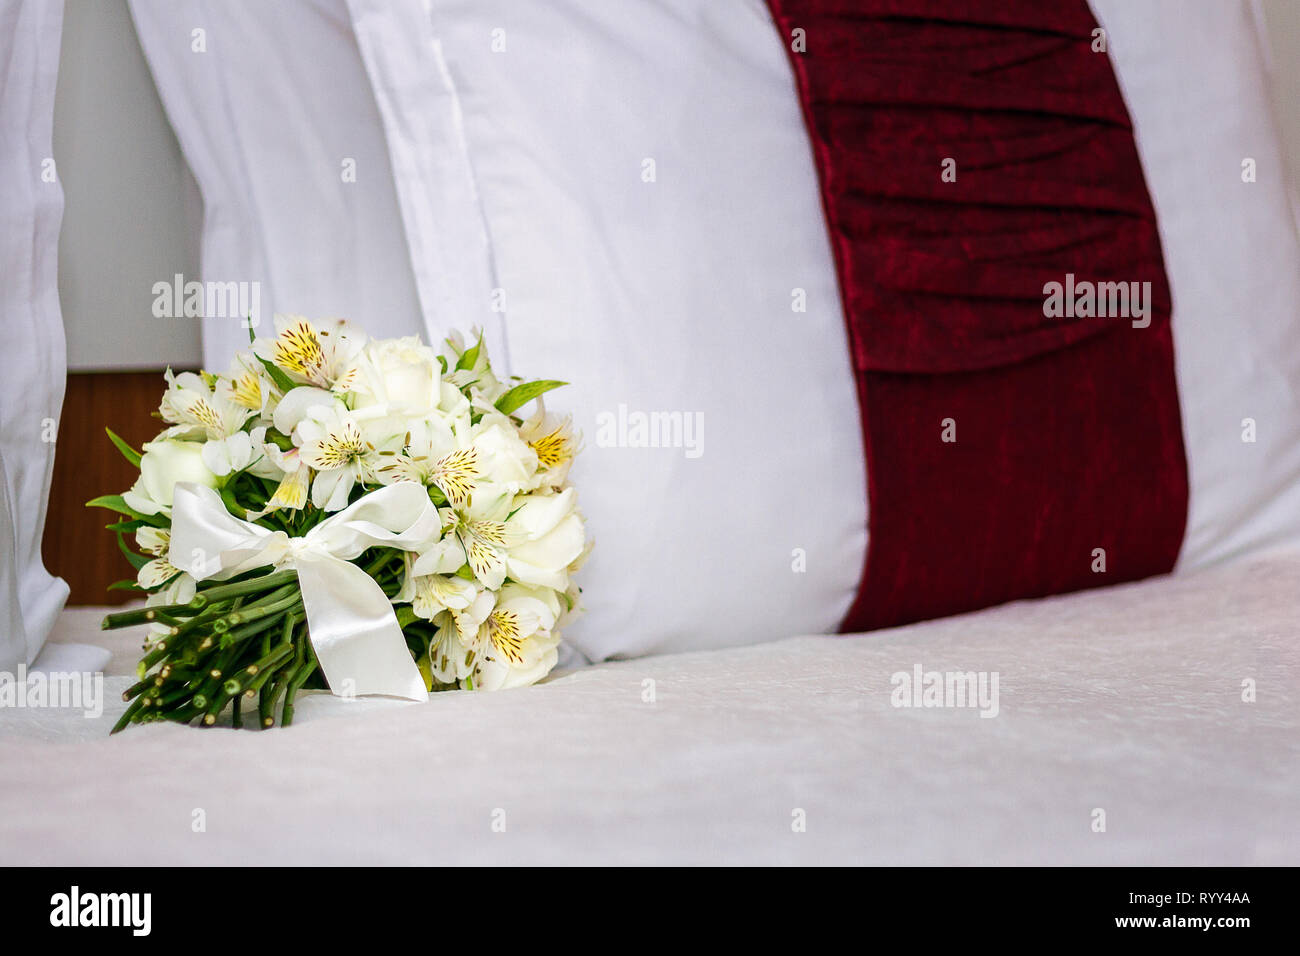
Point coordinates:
[[33, 360]]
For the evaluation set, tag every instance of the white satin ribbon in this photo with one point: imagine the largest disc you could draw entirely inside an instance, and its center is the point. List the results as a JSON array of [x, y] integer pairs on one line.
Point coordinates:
[[350, 620]]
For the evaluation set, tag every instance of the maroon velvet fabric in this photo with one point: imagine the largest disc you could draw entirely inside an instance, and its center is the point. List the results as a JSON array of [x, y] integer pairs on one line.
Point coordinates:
[[1068, 432]]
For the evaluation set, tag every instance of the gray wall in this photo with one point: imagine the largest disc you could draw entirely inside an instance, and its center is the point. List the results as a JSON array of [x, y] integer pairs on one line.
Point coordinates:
[[1282, 30], [132, 212]]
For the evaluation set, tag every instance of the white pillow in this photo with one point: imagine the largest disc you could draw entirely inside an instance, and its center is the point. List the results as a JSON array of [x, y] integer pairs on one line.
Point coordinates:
[[32, 363], [1193, 76], [272, 107], [674, 295]]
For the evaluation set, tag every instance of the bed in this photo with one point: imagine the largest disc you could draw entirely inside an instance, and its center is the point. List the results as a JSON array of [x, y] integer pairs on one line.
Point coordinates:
[[771, 237], [1131, 701]]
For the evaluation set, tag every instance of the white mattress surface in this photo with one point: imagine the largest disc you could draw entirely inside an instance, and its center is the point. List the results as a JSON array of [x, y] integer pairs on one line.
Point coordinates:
[[1127, 700]]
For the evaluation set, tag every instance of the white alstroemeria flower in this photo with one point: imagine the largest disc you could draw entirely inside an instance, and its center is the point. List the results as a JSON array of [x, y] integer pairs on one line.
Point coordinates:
[[555, 443], [460, 460], [200, 404], [443, 556], [248, 385], [538, 656], [155, 541], [321, 354], [546, 535], [242, 450], [435, 456], [291, 493], [430, 582], [480, 530], [451, 652], [333, 444], [515, 645], [441, 592], [401, 375], [163, 464], [447, 652]]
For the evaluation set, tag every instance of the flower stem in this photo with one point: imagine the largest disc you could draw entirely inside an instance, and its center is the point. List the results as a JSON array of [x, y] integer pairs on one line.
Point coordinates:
[[127, 716], [295, 684], [241, 680], [277, 601], [263, 582]]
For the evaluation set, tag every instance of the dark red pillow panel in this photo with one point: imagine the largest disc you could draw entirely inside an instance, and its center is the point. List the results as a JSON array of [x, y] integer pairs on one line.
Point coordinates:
[[1068, 446]]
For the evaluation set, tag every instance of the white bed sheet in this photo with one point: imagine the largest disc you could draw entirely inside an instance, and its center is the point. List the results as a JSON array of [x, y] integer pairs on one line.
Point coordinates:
[[1128, 700]]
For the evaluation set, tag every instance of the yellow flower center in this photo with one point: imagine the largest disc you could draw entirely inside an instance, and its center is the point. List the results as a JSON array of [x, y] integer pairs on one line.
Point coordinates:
[[503, 632], [454, 474], [340, 448], [298, 350], [246, 391], [204, 414], [553, 449]]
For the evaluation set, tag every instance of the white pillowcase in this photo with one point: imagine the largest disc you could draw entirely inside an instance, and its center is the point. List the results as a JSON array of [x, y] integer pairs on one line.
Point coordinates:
[[656, 289], [33, 361], [1192, 73]]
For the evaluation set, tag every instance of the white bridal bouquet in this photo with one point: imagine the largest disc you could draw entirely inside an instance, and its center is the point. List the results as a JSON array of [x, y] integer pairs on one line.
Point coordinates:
[[366, 515]]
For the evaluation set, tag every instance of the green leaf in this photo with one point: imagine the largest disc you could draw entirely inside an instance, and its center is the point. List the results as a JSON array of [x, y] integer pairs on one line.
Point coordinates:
[[138, 561], [232, 504], [129, 453], [279, 439], [113, 503], [131, 525], [283, 382], [521, 395], [464, 571], [126, 585], [470, 356]]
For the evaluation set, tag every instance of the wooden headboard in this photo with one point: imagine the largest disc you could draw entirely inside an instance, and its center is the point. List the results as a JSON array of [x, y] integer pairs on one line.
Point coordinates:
[[75, 546]]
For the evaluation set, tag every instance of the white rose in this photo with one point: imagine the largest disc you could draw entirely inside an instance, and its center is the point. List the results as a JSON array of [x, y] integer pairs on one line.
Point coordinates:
[[402, 374], [503, 457], [163, 464], [548, 535]]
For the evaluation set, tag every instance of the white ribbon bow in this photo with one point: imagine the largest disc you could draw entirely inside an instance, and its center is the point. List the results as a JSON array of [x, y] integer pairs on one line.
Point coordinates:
[[350, 620]]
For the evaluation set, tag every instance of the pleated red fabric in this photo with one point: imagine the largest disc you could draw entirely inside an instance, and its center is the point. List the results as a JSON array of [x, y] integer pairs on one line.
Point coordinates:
[[971, 152]]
